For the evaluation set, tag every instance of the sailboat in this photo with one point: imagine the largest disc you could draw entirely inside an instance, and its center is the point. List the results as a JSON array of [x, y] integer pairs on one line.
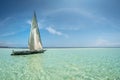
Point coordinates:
[[34, 42]]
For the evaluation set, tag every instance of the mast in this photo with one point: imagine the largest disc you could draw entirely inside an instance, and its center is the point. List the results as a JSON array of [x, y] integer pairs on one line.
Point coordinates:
[[34, 39]]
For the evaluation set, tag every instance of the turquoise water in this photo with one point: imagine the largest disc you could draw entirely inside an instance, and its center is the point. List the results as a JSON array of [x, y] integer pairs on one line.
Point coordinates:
[[62, 64]]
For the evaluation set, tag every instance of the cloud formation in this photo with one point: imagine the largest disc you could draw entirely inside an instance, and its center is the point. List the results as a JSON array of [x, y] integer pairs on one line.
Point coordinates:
[[53, 31], [39, 24], [8, 34], [90, 15], [4, 21], [11, 33], [29, 22], [106, 43]]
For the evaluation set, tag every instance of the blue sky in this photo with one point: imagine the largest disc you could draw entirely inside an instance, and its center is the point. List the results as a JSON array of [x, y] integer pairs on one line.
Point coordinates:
[[62, 23]]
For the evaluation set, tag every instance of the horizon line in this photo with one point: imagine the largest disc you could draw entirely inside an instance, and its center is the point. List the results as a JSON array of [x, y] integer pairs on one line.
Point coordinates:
[[59, 47]]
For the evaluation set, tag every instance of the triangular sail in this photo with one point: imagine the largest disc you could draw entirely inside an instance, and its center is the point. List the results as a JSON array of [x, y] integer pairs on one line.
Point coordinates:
[[34, 40]]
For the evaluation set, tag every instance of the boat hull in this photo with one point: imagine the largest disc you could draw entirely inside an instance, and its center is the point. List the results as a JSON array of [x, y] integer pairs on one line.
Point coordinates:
[[27, 52]]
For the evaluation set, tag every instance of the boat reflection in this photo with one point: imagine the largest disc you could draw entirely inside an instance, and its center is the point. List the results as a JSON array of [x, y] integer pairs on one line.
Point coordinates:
[[34, 67]]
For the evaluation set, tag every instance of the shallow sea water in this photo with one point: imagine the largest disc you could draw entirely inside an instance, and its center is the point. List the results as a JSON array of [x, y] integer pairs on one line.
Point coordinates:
[[62, 64]]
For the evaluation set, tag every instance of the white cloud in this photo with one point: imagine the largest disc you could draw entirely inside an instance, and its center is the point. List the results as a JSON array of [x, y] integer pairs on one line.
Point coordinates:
[[53, 31], [73, 10], [8, 34], [106, 43], [101, 42], [11, 33], [29, 22], [39, 24], [86, 13], [5, 20]]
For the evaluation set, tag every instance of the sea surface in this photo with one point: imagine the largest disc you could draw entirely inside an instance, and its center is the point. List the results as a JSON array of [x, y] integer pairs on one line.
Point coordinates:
[[62, 64]]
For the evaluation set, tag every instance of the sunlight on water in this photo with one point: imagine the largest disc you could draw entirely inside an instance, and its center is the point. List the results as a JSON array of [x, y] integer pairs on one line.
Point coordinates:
[[62, 64]]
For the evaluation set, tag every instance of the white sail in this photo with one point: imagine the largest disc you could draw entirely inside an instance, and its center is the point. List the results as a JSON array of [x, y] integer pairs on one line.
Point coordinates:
[[35, 40]]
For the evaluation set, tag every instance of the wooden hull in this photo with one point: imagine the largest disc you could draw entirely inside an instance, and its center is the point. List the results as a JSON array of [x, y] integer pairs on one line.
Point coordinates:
[[27, 52]]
